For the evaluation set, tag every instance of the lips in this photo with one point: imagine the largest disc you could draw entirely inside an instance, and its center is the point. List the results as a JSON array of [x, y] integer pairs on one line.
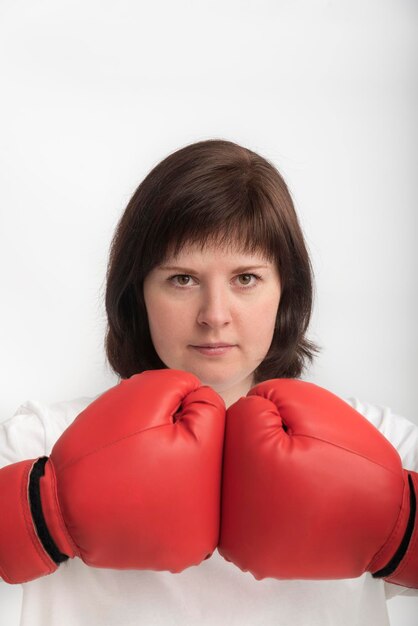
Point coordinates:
[[214, 345], [212, 351]]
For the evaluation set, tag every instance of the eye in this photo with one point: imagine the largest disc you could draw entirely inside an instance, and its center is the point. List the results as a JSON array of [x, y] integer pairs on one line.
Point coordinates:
[[245, 287], [171, 278], [250, 286]]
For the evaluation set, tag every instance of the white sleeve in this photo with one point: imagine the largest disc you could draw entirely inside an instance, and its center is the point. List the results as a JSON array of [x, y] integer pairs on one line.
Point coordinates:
[[35, 427], [403, 435]]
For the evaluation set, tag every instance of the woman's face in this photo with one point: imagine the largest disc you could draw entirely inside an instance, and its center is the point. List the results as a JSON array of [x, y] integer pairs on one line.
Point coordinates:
[[212, 297]]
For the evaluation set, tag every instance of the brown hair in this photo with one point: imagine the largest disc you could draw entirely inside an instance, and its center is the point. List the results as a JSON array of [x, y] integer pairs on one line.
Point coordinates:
[[210, 192]]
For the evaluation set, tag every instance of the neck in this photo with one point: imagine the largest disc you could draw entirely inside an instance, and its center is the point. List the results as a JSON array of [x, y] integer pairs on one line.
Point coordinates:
[[234, 393]]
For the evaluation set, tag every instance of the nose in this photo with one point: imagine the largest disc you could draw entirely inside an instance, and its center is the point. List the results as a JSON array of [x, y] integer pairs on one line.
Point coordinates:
[[214, 308]]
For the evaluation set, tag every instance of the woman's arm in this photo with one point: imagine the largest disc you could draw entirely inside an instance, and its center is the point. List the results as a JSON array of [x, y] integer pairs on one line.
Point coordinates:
[[403, 435], [33, 429]]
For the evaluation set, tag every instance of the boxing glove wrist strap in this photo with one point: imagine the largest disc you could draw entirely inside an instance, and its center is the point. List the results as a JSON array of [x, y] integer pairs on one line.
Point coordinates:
[[22, 555], [38, 517], [402, 569]]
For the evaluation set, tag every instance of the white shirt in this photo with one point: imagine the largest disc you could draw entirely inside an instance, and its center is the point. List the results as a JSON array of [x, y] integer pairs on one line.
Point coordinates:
[[212, 593]]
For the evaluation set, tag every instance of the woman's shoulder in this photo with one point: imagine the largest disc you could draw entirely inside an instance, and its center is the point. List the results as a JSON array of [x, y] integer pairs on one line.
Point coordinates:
[[35, 426], [398, 429]]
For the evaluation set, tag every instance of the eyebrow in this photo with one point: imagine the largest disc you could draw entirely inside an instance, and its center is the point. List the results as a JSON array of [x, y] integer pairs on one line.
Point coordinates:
[[186, 270]]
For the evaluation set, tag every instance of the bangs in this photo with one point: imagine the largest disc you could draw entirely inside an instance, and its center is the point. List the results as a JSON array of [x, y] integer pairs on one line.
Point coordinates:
[[241, 225]]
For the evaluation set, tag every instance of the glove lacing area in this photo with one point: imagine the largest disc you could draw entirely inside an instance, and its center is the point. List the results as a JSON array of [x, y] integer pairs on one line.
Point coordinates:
[[35, 502], [403, 546]]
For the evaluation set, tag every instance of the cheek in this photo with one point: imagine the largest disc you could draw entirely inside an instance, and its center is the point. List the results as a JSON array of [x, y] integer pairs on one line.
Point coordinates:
[[267, 312], [154, 308], [165, 322], [264, 309], [160, 320]]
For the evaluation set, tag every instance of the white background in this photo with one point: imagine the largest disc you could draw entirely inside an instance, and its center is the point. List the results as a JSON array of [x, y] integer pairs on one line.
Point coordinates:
[[95, 93]]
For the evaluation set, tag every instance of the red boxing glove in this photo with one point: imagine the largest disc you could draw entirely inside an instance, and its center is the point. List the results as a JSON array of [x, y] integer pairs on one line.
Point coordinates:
[[133, 483], [312, 490]]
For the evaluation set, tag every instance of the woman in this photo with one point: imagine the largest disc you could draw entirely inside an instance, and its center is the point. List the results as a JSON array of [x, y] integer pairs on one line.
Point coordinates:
[[209, 250], [211, 202]]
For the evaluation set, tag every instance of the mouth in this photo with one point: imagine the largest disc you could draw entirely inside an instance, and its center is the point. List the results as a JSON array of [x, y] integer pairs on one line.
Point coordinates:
[[214, 345], [212, 350]]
